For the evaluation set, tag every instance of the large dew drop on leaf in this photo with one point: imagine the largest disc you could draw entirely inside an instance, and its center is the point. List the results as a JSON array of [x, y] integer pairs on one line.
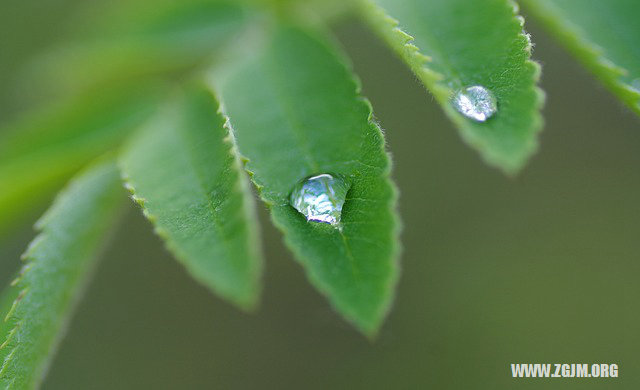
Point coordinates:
[[320, 198], [296, 111]]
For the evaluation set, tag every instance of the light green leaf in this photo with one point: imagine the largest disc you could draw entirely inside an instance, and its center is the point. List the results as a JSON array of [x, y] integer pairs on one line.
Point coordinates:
[[41, 151], [143, 40], [296, 111], [603, 35], [58, 263], [8, 297], [455, 44], [182, 169]]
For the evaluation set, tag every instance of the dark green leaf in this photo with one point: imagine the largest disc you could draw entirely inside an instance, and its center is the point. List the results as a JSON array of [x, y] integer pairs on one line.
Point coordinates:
[[604, 35], [296, 111], [58, 263], [454, 44], [181, 168]]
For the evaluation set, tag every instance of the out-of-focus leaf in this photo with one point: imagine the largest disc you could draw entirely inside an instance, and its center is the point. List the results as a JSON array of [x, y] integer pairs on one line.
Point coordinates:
[[296, 111], [183, 171], [58, 263], [455, 44], [143, 43], [41, 151], [604, 35]]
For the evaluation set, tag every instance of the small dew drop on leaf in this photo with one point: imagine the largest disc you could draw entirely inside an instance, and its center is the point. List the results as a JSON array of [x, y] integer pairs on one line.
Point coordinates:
[[476, 102], [320, 198]]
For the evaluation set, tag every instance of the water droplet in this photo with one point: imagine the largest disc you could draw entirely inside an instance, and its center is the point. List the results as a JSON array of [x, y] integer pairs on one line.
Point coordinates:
[[475, 102], [320, 198], [635, 84]]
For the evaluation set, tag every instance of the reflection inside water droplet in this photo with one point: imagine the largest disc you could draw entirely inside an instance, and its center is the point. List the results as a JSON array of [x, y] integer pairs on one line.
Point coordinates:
[[477, 103], [320, 198]]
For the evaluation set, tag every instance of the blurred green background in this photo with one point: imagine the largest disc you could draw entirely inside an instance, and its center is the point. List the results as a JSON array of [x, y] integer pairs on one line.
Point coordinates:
[[540, 268]]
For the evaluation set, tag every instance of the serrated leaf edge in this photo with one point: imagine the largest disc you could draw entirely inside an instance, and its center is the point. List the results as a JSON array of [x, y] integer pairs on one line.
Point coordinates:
[[28, 258], [248, 209], [403, 44], [590, 54], [369, 332]]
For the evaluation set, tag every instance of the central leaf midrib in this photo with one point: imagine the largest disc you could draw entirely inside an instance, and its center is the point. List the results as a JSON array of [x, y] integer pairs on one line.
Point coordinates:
[[199, 180], [295, 125], [291, 117]]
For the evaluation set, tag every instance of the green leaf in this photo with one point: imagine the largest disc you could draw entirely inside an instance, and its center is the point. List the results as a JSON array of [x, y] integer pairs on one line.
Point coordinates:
[[8, 297], [43, 150], [181, 168], [143, 40], [603, 35], [58, 263], [296, 111], [455, 44]]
